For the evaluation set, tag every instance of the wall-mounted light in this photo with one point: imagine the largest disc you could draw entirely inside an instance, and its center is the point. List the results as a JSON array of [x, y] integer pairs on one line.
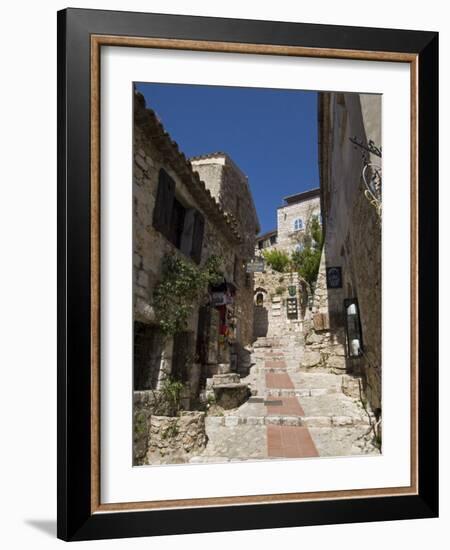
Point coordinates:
[[353, 327]]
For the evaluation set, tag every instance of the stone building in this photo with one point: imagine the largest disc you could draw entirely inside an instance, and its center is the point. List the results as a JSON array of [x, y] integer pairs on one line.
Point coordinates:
[[292, 219], [280, 304], [230, 188], [182, 211], [346, 314], [281, 298]]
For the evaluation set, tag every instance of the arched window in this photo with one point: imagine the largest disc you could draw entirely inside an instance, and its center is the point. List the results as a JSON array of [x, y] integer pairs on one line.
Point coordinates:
[[298, 224], [260, 299]]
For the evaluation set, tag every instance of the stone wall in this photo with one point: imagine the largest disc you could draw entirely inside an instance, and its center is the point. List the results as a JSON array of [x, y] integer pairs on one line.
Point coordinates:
[[154, 150], [324, 333], [158, 438], [271, 316], [352, 228], [229, 186], [143, 402], [176, 439]]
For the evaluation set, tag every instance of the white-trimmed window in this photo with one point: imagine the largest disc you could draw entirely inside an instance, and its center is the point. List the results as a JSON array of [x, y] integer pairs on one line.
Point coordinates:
[[298, 224]]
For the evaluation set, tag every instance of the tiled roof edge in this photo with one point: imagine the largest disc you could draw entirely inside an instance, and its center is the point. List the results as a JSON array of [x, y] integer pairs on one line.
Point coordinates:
[[154, 129]]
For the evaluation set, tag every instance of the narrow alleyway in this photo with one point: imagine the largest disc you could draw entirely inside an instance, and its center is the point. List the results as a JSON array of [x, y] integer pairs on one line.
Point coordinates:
[[291, 414]]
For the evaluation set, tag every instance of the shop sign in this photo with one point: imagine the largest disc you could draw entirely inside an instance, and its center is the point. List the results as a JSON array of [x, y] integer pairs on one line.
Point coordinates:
[[255, 266], [218, 298], [334, 277]]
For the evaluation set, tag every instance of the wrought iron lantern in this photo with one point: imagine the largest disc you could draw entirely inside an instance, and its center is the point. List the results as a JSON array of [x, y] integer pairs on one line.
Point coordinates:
[[353, 328], [371, 173]]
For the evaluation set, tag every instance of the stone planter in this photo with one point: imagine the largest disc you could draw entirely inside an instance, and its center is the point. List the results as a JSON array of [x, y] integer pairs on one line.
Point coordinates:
[[175, 438]]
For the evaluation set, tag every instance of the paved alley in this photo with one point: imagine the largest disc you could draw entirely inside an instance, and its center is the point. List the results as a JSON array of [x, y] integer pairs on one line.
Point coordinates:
[[291, 413]]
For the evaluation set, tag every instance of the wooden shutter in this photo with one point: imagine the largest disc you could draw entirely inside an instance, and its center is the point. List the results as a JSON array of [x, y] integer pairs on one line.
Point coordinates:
[[197, 237], [162, 212]]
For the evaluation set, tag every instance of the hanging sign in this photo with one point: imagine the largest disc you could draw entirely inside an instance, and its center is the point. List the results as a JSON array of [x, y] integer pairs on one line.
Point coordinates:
[[292, 310], [218, 298], [334, 277], [255, 266]]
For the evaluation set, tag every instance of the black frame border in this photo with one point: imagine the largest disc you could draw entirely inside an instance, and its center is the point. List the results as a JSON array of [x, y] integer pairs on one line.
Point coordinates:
[[75, 521]]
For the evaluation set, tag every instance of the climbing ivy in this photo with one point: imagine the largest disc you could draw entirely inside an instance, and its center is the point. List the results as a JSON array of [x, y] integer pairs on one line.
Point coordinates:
[[180, 288]]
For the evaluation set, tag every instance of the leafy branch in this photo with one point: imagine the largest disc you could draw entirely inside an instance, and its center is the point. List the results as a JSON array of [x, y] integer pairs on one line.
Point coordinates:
[[181, 287], [306, 259]]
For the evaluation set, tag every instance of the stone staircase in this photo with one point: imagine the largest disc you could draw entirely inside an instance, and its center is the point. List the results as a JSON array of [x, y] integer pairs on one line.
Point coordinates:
[[330, 403], [320, 408], [226, 388], [288, 348]]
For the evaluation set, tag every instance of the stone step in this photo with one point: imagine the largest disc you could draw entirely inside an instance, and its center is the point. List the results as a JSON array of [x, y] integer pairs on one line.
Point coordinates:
[[300, 392], [219, 379], [257, 369], [285, 353], [293, 357], [282, 420], [279, 345], [285, 359], [221, 368]]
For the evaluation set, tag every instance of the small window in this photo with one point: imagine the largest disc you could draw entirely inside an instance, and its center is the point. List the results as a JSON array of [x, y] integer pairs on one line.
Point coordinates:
[[298, 224], [260, 299]]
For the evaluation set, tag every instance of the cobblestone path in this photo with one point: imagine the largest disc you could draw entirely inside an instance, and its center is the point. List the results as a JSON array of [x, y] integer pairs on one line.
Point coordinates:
[[291, 414]]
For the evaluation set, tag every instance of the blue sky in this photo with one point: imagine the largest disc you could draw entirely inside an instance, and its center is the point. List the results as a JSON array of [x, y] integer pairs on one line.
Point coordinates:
[[270, 134]]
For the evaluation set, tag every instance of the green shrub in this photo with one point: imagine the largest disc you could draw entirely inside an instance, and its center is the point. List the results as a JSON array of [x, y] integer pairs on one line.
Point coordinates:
[[307, 260], [277, 259], [170, 394]]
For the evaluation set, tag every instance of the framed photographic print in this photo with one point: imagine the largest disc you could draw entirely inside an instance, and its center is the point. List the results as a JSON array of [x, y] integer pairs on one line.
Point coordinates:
[[247, 274]]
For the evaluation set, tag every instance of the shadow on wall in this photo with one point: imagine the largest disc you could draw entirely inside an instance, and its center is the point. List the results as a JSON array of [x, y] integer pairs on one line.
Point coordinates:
[[352, 238]]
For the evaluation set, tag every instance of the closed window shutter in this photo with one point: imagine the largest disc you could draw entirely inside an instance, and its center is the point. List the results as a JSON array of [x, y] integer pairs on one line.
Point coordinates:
[[197, 237], [162, 212]]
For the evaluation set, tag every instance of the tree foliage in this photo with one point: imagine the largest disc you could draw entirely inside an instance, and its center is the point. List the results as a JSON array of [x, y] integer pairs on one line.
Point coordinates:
[[306, 260], [277, 259]]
